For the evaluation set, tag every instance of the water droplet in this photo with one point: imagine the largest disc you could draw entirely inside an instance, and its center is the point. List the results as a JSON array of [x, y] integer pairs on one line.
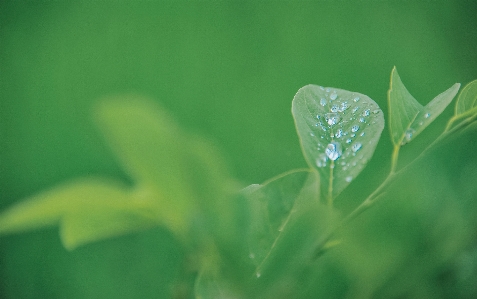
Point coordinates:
[[353, 135], [323, 102], [321, 160], [321, 87], [356, 99], [333, 150], [362, 134], [334, 108], [333, 96], [366, 112], [348, 140], [349, 178], [354, 128], [258, 274], [312, 135], [327, 90], [251, 255], [339, 133], [408, 136], [332, 118], [361, 120], [356, 147], [427, 115], [344, 106], [355, 109]]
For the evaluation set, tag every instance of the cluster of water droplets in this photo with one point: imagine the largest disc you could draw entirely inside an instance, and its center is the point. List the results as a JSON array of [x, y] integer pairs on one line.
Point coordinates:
[[341, 123]]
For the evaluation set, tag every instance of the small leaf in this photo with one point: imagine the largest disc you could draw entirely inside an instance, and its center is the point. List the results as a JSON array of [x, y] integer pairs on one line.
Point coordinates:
[[408, 118], [338, 131], [466, 105]]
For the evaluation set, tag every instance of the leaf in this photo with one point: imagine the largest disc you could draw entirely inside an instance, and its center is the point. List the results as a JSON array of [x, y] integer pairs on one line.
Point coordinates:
[[180, 182], [466, 105], [153, 151], [338, 131], [187, 171], [86, 210], [286, 221], [408, 118]]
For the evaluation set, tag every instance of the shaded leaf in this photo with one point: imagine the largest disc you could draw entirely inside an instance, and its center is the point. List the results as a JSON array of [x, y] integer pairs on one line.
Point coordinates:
[[408, 118], [287, 220], [338, 131], [466, 104]]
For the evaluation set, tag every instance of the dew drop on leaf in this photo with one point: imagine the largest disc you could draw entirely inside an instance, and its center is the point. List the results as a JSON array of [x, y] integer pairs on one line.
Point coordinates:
[[333, 150], [356, 147], [339, 133], [332, 118], [323, 102], [333, 96], [349, 178], [354, 129], [321, 160]]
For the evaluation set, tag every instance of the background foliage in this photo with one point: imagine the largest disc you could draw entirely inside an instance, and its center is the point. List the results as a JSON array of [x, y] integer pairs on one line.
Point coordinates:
[[227, 71]]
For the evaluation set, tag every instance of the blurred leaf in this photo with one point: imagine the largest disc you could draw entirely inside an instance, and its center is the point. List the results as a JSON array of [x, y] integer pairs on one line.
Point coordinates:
[[339, 131], [86, 210], [180, 181], [408, 118], [466, 105]]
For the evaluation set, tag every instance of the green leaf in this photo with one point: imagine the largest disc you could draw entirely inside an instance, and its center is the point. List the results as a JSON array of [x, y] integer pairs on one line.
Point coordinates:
[[408, 118], [285, 211], [466, 105], [86, 210], [188, 172], [338, 131], [179, 181]]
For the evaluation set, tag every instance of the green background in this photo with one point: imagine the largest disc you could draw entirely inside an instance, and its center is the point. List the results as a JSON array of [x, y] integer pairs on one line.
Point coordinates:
[[225, 70]]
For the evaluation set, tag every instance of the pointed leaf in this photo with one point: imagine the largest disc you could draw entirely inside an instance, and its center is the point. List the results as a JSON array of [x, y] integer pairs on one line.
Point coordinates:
[[338, 131], [408, 118]]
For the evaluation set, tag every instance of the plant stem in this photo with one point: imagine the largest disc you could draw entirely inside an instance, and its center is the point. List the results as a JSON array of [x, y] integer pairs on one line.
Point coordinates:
[[372, 198]]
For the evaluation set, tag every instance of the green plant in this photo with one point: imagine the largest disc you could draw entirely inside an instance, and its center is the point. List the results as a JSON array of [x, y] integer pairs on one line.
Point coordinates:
[[285, 238]]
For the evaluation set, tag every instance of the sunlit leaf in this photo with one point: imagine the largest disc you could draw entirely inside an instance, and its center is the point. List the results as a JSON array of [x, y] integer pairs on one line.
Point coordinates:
[[179, 181], [338, 131], [86, 210], [187, 171], [408, 118]]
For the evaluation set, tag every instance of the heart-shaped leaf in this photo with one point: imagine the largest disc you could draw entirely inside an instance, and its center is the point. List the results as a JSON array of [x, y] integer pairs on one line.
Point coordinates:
[[338, 131], [466, 105], [408, 118]]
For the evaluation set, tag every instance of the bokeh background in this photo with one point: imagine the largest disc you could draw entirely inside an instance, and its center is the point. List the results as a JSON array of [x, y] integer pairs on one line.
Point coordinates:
[[225, 70]]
